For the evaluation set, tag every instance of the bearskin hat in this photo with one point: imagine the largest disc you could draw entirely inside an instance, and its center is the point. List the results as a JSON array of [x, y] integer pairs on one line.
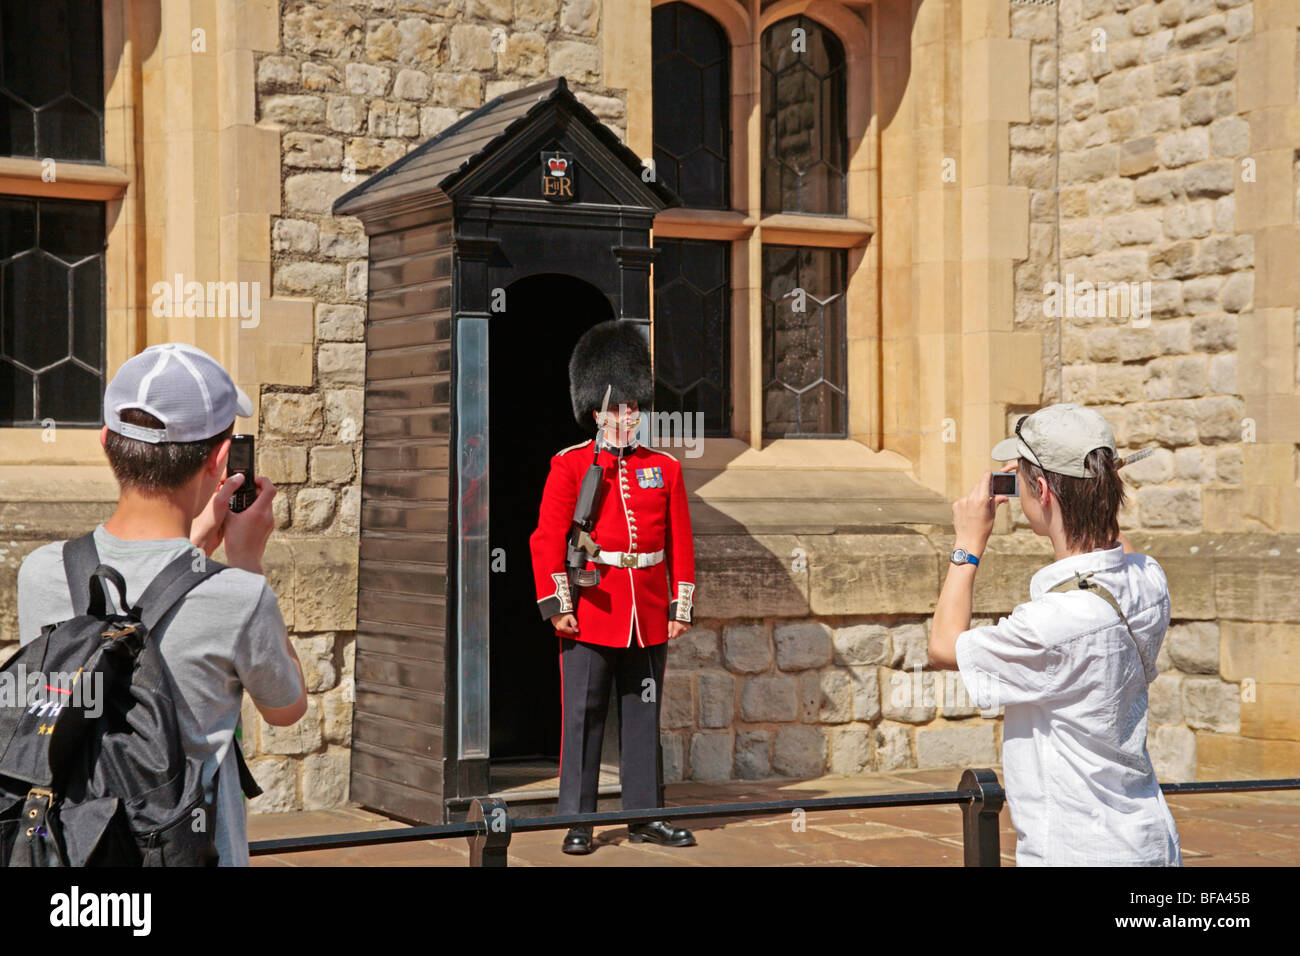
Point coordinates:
[[613, 354]]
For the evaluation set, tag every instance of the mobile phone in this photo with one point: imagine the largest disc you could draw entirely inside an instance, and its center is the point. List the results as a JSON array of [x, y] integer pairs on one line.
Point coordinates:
[[1004, 483], [241, 460]]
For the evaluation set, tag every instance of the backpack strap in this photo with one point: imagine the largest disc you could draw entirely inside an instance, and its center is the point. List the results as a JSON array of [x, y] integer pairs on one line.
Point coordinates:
[[246, 781], [80, 559], [1084, 582], [170, 585]]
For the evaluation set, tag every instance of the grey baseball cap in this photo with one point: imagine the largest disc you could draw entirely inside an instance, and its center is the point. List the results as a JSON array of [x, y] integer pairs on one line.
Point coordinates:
[[182, 386], [1058, 438]]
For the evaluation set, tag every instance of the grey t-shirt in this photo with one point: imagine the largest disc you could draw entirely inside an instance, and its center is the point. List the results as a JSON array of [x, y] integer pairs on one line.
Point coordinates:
[[225, 637]]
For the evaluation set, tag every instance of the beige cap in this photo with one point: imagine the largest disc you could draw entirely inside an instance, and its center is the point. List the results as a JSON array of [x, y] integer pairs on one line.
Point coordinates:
[[1058, 438]]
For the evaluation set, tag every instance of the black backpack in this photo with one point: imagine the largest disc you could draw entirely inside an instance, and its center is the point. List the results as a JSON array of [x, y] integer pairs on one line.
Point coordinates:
[[93, 769]]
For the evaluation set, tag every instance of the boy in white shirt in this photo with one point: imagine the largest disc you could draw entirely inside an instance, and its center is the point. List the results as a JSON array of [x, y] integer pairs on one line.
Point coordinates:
[[1072, 665]]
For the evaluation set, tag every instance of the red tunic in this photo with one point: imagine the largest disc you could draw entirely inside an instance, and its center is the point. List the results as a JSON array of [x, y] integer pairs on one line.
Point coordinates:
[[643, 509]]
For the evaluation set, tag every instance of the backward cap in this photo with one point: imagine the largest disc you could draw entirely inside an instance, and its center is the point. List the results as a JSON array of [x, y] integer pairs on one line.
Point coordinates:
[[1059, 438], [182, 386]]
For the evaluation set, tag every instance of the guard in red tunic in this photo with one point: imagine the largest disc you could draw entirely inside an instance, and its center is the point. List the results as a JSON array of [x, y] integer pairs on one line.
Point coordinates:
[[638, 544]]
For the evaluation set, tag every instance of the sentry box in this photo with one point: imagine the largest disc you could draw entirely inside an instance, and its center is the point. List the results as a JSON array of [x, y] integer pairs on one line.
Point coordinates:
[[493, 247]]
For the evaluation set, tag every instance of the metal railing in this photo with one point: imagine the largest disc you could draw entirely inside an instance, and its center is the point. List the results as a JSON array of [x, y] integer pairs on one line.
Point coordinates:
[[489, 825]]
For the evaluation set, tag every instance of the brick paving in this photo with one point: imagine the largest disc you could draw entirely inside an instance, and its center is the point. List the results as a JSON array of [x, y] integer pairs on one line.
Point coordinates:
[[1216, 830]]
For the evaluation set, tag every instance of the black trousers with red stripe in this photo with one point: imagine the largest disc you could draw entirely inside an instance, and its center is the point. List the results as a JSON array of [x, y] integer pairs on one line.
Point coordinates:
[[586, 672]]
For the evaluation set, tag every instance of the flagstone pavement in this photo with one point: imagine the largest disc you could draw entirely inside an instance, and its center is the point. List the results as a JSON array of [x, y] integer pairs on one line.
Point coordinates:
[[1236, 829]]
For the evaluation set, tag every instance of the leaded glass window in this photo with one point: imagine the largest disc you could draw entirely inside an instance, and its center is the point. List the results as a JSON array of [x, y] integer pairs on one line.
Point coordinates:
[[52, 79], [692, 331], [804, 343], [691, 105], [51, 311], [805, 146]]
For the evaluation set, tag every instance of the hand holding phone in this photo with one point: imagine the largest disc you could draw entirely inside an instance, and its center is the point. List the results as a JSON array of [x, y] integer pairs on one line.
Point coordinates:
[[241, 461]]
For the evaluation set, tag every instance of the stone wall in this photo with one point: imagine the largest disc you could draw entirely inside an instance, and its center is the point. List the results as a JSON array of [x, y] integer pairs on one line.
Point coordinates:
[[1135, 119], [354, 87], [820, 667]]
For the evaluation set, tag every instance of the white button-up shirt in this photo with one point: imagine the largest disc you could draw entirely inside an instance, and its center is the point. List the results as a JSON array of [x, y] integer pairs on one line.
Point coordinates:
[[1079, 781]]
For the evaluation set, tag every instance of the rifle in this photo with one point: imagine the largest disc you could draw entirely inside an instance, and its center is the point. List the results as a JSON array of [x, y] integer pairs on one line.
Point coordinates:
[[580, 546]]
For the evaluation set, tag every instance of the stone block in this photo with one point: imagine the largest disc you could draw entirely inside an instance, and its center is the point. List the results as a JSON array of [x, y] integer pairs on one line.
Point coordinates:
[[1173, 753], [349, 513], [291, 416], [1194, 647], [283, 464], [411, 85], [810, 697], [316, 654], [871, 574], [958, 747], [1212, 704], [314, 192], [769, 699], [325, 583], [717, 699], [799, 752], [293, 109], [866, 693], [1165, 699], [850, 749], [747, 649], [696, 648], [911, 646], [294, 235], [576, 61], [332, 463], [711, 757], [674, 757], [343, 239], [317, 279], [336, 710], [753, 755], [893, 747], [907, 697], [802, 645], [524, 55], [1229, 757], [278, 778], [325, 780], [363, 79], [340, 323], [341, 363], [836, 703], [313, 508], [677, 709], [861, 644], [750, 576]]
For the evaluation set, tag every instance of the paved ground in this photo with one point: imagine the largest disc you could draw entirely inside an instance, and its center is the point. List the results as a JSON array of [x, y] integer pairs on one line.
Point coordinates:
[[1219, 830]]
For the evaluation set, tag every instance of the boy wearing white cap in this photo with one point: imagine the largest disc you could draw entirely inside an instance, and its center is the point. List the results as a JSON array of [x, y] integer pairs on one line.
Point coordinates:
[[1071, 666], [169, 414]]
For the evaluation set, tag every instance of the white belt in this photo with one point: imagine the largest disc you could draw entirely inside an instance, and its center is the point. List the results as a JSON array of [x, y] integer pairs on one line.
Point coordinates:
[[629, 559]]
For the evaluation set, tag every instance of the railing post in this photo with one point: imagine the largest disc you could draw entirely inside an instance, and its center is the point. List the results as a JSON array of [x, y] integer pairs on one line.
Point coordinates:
[[980, 817], [489, 848]]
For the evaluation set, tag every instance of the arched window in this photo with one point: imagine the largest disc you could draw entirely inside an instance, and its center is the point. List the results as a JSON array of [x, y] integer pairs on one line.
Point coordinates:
[[692, 105], [805, 146]]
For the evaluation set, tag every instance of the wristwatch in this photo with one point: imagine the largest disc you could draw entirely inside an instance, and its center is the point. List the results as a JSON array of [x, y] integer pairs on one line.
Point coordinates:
[[962, 556]]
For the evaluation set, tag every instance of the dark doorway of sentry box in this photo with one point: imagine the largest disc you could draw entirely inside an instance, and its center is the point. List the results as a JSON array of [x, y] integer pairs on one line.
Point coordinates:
[[531, 418]]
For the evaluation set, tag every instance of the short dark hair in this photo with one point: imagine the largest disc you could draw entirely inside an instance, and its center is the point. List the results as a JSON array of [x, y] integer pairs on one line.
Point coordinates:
[[1089, 506], [156, 468]]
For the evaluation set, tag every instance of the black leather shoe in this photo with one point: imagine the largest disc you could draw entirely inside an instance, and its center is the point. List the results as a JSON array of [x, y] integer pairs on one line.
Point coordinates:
[[660, 832], [578, 840]]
